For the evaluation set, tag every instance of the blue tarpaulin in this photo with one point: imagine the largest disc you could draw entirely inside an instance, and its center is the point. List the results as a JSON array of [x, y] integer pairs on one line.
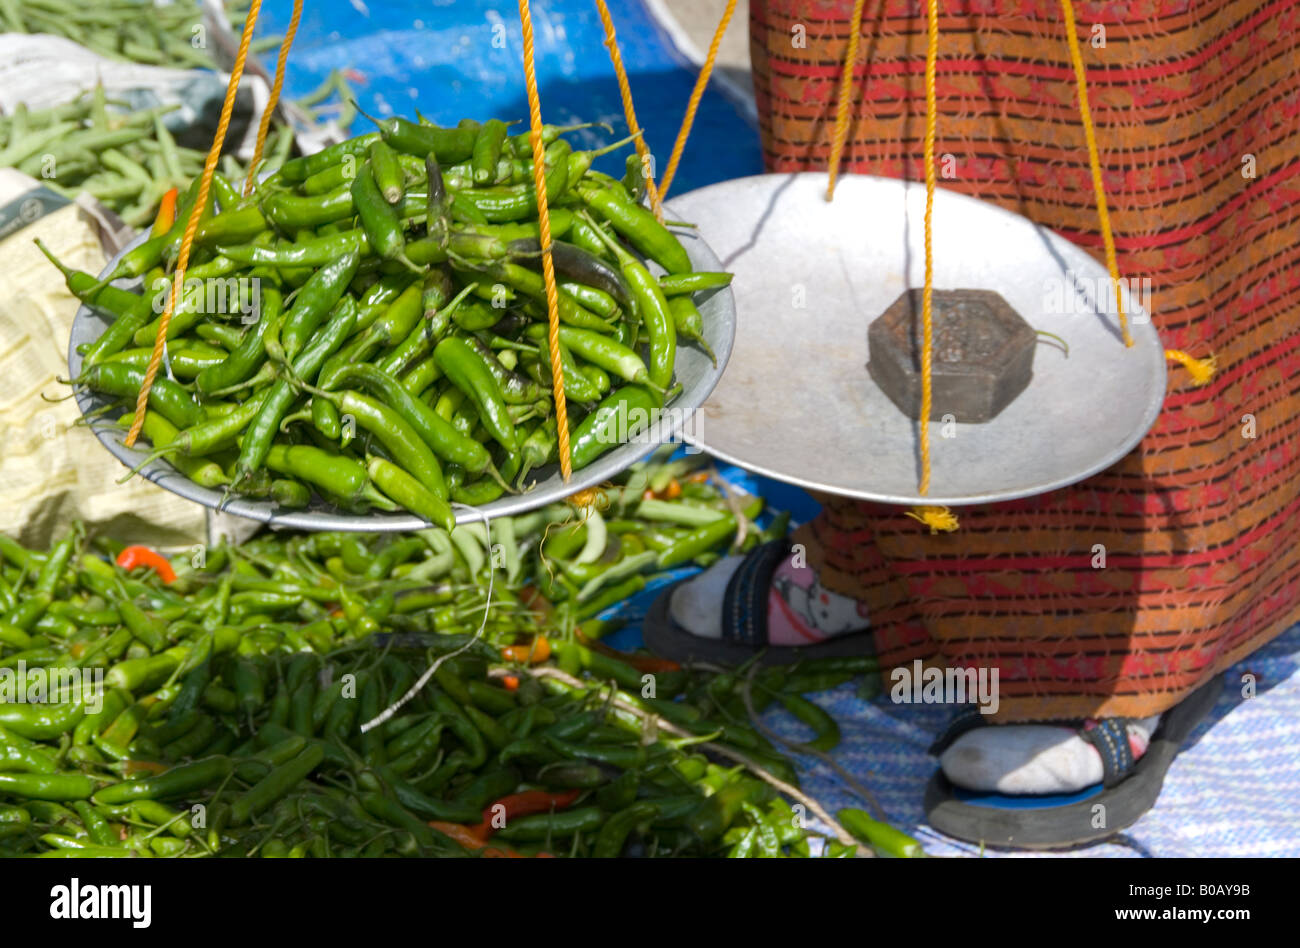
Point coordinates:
[[464, 59]]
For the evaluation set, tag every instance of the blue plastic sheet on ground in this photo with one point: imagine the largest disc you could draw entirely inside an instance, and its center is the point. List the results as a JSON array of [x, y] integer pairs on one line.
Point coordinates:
[[1234, 789], [465, 60]]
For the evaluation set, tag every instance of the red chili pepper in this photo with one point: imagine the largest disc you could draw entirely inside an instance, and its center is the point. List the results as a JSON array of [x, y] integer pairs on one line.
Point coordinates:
[[471, 838], [532, 600], [642, 663], [505, 852], [526, 803], [648, 663], [166, 216], [134, 768], [134, 557], [536, 652]]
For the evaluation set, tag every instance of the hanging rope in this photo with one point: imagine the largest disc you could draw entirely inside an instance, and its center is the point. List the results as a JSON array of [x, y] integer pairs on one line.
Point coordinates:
[[1090, 135], [192, 225], [1201, 370], [629, 111], [845, 98], [271, 103], [696, 94], [936, 518], [544, 226]]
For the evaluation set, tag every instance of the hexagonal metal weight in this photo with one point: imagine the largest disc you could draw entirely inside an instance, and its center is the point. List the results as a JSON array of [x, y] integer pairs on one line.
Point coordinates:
[[983, 354]]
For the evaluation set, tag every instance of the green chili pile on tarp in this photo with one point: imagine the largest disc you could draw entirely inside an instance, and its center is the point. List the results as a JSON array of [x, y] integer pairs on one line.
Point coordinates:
[[235, 682]]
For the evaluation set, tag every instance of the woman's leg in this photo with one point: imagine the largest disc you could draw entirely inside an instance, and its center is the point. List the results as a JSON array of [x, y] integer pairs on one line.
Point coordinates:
[[825, 587], [1122, 595]]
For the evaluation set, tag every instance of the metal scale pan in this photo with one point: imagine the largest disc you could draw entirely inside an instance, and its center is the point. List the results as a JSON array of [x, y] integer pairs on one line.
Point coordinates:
[[796, 402], [696, 373]]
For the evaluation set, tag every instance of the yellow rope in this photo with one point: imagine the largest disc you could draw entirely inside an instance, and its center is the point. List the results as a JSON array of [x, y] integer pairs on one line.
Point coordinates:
[[696, 94], [845, 97], [1090, 134], [271, 103], [544, 225], [1201, 370], [629, 112], [192, 225], [936, 518]]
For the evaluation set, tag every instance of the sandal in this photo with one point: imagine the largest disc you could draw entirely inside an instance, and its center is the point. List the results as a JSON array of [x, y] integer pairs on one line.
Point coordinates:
[[1056, 821], [744, 621]]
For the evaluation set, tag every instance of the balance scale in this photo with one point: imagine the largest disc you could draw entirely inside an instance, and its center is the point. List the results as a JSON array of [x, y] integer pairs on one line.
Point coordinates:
[[796, 402]]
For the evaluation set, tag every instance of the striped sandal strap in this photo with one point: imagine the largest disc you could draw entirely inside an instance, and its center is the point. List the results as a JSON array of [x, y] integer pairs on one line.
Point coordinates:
[[744, 605], [1109, 736]]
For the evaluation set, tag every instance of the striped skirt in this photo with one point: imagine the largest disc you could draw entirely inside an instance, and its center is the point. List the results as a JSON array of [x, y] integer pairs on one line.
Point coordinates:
[[1197, 109]]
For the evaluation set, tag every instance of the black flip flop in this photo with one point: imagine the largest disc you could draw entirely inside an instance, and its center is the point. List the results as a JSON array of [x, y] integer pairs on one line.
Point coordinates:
[[1058, 822], [744, 621]]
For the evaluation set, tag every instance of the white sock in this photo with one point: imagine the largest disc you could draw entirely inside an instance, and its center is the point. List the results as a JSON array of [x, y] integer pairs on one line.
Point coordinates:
[[697, 604], [1031, 758]]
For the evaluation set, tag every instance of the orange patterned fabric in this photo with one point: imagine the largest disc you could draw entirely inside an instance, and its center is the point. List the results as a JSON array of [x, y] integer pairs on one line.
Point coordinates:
[[1197, 108]]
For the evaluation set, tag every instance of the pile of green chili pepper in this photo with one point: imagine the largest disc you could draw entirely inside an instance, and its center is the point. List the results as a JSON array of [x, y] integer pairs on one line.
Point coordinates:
[[139, 31], [236, 681], [381, 338]]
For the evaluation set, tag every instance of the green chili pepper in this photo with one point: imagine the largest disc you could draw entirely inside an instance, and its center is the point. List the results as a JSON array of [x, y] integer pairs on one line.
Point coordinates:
[[465, 368], [652, 306], [314, 300], [165, 396], [613, 835], [449, 145], [410, 493], [622, 414], [41, 722], [881, 837], [18, 753], [299, 169], [55, 787], [432, 429], [565, 823], [487, 150], [339, 476], [257, 441], [380, 220], [638, 225], [129, 310], [828, 732], [517, 201], [689, 323], [275, 785], [176, 782], [314, 252], [677, 284]]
